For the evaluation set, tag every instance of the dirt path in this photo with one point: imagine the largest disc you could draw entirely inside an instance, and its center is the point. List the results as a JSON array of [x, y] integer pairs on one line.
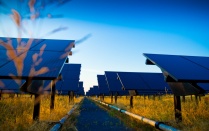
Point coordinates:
[[94, 118]]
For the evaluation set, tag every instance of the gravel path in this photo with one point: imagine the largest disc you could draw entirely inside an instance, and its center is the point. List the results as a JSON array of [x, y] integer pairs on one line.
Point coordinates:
[[94, 118]]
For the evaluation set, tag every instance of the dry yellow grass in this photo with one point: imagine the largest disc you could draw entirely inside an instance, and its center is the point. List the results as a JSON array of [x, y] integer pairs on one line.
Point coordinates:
[[16, 113], [195, 116]]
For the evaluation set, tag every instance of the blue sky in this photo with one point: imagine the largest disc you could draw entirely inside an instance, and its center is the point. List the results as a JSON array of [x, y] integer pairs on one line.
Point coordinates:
[[121, 31]]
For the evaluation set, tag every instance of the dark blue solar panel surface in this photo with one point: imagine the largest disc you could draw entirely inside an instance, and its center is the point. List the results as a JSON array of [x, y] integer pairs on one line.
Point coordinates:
[[90, 92], [12, 44], [70, 75], [80, 89], [182, 68], [132, 81], [53, 45], [11, 84], [50, 60], [201, 61], [144, 83], [113, 83], [52, 57], [4, 59], [204, 86], [80, 84], [155, 81], [94, 90], [102, 84]]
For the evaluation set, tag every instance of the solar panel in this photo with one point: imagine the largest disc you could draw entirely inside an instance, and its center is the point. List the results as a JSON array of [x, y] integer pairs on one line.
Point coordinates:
[[155, 81], [112, 82], [4, 58], [204, 86], [42, 53], [11, 85], [11, 49], [144, 83], [70, 77], [52, 45], [132, 81], [48, 68], [182, 68], [80, 89], [93, 91], [96, 90], [102, 84], [183, 73]]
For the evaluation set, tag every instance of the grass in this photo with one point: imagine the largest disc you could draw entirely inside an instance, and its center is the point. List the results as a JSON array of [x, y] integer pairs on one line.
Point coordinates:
[[16, 112], [70, 123], [195, 116], [128, 121]]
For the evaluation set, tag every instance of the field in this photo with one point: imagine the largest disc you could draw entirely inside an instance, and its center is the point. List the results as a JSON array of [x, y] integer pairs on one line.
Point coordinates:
[[16, 112], [195, 116]]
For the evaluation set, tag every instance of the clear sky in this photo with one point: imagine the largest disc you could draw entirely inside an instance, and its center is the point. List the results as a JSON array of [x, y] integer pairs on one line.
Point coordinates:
[[118, 32]]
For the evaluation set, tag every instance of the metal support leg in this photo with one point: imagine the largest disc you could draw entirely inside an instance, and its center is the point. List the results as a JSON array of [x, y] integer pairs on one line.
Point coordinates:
[[36, 109], [131, 102], [52, 95], [177, 108], [111, 98], [183, 99], [116, 97]]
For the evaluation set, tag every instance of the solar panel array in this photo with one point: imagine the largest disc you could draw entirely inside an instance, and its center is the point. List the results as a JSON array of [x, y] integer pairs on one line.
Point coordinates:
[[80, 89], [144, 83], [93, 91], [70, 79]]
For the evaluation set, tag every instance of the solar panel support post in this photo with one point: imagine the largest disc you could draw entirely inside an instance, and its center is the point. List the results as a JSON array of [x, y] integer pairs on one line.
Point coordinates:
[[191, 97], [52, 94], [131, 102], [36, 109], [177, 108], [102, 97], [183, 99], [154, 97], [111, 97], [196, 99], [0, 94], [71, 97], [116, 97]]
